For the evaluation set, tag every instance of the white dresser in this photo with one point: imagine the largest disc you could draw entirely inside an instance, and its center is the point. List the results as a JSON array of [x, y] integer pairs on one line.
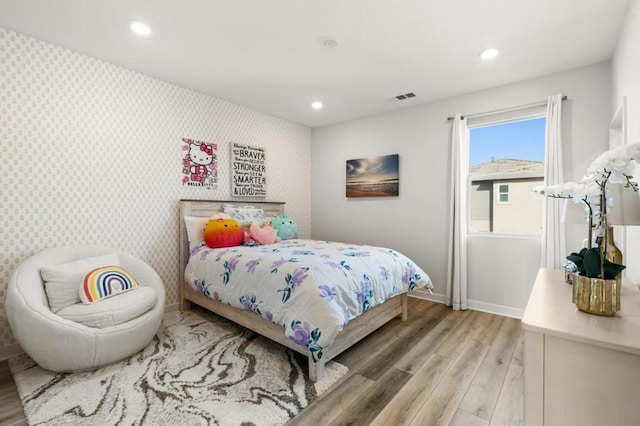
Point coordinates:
[[580, 369]]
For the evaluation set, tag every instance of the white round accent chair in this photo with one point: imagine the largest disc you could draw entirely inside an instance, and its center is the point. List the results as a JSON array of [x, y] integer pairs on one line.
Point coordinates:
[[60, 344]]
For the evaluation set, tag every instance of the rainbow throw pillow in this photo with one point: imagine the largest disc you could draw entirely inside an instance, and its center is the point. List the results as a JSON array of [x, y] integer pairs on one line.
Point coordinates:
[[105, 282]]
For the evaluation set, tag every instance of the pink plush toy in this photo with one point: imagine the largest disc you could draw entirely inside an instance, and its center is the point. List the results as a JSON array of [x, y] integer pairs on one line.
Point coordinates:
[[264, 235], [246, 235]]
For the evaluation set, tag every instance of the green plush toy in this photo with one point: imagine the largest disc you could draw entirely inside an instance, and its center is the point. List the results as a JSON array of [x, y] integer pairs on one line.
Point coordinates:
[[285, 227]]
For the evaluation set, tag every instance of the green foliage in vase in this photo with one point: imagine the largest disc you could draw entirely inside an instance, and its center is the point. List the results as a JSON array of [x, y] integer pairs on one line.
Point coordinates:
[[588, 263], [591, 261]]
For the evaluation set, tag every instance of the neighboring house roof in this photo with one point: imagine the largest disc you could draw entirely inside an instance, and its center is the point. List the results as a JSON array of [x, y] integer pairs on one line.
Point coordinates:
[[507, 168]]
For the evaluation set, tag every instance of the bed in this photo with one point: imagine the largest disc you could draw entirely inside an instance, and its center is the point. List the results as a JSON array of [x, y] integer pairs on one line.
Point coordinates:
[[290, 291]]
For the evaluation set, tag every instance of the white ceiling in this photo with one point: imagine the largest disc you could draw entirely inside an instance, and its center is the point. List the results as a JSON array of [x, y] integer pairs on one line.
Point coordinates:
[[266, 54]]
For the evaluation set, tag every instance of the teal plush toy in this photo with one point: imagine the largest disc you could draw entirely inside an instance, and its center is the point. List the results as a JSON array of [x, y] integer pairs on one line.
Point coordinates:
[[285, 227]]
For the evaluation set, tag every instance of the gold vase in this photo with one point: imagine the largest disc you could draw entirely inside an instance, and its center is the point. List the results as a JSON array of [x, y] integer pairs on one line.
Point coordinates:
[[597, 296], [613, 253]]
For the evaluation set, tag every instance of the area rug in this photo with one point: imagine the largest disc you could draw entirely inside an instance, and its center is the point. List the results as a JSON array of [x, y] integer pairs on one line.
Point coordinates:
[[200, 370]]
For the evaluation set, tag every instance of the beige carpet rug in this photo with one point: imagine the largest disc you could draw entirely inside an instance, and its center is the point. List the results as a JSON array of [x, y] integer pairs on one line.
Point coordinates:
[[201, 370]]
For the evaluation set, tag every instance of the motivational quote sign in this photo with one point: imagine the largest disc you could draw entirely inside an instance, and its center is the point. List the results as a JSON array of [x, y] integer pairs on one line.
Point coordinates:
[[248, 174]]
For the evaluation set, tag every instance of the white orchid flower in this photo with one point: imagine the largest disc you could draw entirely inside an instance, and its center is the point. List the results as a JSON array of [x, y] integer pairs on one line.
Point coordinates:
[[559, 191], [574, 190], [632, 150], [615, 166], [591, 190], [620, 161]]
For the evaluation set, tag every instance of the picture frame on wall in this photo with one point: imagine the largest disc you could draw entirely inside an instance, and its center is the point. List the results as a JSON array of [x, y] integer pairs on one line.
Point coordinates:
[[199, 163], [248, 171], [373, 177]]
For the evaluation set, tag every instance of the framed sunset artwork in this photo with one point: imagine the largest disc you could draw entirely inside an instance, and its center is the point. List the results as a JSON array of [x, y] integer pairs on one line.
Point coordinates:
[[373, 177]]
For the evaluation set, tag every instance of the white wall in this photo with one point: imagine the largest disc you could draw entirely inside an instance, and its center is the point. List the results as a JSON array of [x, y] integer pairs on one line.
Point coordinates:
[[91, 154], [415, 222], [626, 82]]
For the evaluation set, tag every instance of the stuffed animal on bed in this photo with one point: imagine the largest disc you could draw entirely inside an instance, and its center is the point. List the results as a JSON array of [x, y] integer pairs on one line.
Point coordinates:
[[247, 240], [263, 235], [285, 227], [223, 232]]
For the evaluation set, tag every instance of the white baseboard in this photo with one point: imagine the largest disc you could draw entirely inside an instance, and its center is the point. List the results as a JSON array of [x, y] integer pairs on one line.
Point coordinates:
[[506, 311], [421, 293], [7, 352]]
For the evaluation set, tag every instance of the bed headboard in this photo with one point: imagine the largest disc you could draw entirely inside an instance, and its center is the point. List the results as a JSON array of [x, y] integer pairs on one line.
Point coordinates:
[[207, 208]]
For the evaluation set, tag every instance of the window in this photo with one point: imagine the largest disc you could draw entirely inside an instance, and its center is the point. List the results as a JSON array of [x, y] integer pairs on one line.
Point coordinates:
[[506, 161], [503, 194]]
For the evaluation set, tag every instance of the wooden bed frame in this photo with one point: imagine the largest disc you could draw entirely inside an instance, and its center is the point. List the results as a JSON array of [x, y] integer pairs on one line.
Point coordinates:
[[353, 332]]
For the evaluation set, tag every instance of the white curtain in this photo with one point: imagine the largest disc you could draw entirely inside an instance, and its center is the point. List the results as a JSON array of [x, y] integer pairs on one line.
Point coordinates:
[[457, 259], [553, 234]]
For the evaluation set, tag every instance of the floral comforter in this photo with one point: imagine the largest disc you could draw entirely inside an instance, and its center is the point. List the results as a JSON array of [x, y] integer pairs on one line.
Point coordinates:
[[312, 288]]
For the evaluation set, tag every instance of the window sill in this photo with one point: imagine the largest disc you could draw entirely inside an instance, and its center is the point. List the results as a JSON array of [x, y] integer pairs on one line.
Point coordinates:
[[500, 235]]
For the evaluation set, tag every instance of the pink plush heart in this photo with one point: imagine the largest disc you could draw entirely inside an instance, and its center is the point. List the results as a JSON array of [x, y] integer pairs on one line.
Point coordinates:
[[264, 235]]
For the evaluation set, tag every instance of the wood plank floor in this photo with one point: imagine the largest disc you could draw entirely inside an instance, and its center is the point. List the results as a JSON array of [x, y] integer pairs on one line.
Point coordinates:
[[440, 367], [11, 413]]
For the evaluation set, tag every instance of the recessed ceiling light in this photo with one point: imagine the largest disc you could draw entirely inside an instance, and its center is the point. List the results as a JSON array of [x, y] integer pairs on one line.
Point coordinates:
[[329, 42], [489, 54], [316, 105], [139, 28]]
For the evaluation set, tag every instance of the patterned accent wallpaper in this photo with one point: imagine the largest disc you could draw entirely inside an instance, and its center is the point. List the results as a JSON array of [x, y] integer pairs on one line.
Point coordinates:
[[91, 153]]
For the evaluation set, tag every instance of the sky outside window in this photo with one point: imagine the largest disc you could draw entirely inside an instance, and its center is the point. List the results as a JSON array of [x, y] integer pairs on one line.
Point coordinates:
[[520, 140]]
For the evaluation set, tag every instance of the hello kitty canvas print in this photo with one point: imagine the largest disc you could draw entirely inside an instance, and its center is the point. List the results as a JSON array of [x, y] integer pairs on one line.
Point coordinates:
[[199, 163]]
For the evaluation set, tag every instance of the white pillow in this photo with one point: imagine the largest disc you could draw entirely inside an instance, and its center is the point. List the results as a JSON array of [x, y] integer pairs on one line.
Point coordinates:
[[61, 282], [245, 214], [195, 229], [113, 310]]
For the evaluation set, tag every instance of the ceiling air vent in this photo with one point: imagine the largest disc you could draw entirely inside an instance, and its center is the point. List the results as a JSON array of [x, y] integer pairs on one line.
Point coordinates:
[[402, 97]]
